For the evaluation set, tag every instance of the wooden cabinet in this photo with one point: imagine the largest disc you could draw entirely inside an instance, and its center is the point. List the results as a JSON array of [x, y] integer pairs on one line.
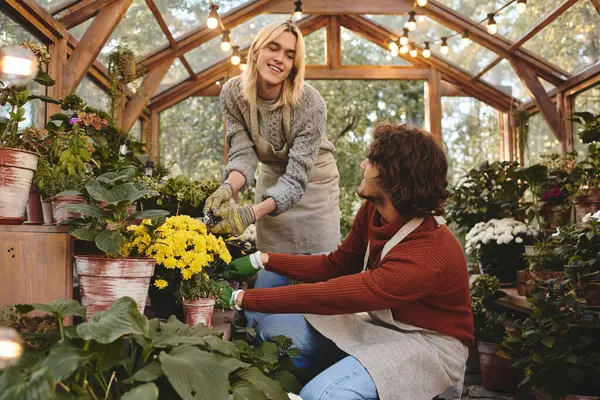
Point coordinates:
[[36, 264]]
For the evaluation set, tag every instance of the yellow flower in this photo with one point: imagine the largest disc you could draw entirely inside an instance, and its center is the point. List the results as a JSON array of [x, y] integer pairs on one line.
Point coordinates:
[[186, 274], [161, 283]]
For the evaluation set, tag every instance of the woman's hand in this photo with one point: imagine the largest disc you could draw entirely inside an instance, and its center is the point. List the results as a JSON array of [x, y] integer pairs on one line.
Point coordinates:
[[234, 220], [221, 196]]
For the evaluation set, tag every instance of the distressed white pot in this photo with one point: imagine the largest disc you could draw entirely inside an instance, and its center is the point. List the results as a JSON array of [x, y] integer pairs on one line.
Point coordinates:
[[47, 212], [198, 311], [59, 210], [16, 173], [103, 280]]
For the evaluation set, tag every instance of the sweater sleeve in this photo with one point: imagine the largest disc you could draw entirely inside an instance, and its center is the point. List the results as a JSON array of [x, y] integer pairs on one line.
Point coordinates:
[[398, 280], [308, 129], [242, 155]]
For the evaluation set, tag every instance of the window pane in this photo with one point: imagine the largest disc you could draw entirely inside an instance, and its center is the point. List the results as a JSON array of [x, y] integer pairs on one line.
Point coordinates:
[[53, 4], [357, 50], [244, 34], [505, 78], [316, 47], [93, 95], [572, 41], [540, 140], [586, 101], [175, 74], [191, 138], [470, 131], [79, 30], [136, 130]]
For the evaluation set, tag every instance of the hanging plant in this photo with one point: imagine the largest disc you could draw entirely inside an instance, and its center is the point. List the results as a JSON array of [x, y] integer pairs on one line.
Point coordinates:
[[121, 71]]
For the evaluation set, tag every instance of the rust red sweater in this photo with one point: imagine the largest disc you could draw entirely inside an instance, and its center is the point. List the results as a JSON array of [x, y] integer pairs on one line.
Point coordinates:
[[423, 279]]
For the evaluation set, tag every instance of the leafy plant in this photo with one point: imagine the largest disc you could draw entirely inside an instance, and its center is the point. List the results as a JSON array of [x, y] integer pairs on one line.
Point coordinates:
[[121, 71], [488, 324], [578, 246], [181, 195], [590, 126]]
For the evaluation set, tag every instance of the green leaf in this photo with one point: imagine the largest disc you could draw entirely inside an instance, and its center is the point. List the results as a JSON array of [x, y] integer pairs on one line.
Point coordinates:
[[538, 358], [149, 373], [267, 352], [44, 79], [99, 193], [549, 341], [577, 375], [288, 381], [141, 193], [148, 391], [151, 214], [110, 242], [45, 99], [197, 374], [572, 359], [244, 390], [122, 318], [86, 209], [221, 346], [85, 234], [40, 385], [64, 361], [61, 308], [271, 388]]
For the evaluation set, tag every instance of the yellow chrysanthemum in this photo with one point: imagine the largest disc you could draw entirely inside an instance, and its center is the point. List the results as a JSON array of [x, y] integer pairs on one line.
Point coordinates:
[[186, 274], [161, 283]]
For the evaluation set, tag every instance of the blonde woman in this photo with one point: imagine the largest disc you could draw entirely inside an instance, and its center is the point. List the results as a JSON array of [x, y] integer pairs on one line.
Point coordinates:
[[275, 117]]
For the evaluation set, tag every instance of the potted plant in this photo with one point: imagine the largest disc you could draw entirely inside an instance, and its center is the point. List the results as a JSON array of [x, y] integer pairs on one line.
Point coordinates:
[[183, 248], [19, 150], [121, 71], [499, 247], [198, 295], [555, 191], [587, 196], [496, 373], [544, 264], [103, 279], [181, 195], [558, 346]]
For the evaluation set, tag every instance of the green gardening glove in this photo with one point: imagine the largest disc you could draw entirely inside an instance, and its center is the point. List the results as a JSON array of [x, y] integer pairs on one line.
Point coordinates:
[[244, 266], [234, 220], [225, 293], [221, 196]]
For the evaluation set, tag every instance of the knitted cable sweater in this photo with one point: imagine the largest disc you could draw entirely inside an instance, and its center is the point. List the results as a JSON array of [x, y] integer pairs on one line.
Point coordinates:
[[423, 279], [308, 128]]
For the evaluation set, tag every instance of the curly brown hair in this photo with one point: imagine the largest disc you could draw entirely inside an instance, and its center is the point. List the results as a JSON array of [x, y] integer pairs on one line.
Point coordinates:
[[412, 168]]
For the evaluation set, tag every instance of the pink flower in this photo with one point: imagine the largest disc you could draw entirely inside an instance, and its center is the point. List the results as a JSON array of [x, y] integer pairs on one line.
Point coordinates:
[[75, 121]]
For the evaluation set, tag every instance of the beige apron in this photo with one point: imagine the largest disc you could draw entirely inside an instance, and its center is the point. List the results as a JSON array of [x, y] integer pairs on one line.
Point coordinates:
[[405, 362], [312, 225]]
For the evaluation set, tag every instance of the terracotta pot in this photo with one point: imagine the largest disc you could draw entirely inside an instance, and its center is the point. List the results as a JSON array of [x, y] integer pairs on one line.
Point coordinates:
[[34, 207], [59, 211], [587, 204], [496, 373], [47, 212], [103, 280], [524, 276], [555, 214], [540, 394], [473, 360], [577, 397], [198, 311], [16, 174]]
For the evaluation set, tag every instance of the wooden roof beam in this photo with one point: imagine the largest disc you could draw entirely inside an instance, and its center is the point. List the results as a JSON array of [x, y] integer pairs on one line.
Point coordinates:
[[596, 5], [316, 7], [81, 11], [501, 46], [35, 18]]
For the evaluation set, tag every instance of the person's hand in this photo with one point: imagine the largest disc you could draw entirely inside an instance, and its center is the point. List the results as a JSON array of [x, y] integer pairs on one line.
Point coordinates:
[[234, 220], [244, 266], [226, 294], [221, 196]]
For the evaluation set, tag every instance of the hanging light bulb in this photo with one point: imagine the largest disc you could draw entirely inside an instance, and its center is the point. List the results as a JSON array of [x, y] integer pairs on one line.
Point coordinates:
[[521, 6], [226, 42], [444, 49], [149, 168], [213, 18], [465, 38], [492, 27], [411, 24], [392, 45], [298, 10], [422, 3], [123, 146], [11, 347], [235, 57], [426, 50], [413, 51], [404, 37], [218, 83], [404, 49], [18, 65], [244, 64]]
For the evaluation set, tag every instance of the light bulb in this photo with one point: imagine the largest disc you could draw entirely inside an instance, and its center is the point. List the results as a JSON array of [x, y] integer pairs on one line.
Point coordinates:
[[226, 42], [298, 15], [413, 51], [426, 50], [235, 57], [11, 347], [18, 65], [393, 45], [404, 49], [521, 6], [394, 52], [492, 28], [149, 168], [404, 37], [213, 18], [465, 38], [444, 48], [422, 3], [243, 66], [411, 24], [297, 10], [218, 83]]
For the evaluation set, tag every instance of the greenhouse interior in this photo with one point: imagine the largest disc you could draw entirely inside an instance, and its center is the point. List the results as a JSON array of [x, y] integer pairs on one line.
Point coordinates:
[[152, 152]]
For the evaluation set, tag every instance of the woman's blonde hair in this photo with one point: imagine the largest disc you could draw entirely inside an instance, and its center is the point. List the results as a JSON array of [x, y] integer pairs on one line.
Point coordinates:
[[294, 84]]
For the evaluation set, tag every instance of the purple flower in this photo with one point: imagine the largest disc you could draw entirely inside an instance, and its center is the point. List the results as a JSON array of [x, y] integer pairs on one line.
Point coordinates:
[[75, 121]]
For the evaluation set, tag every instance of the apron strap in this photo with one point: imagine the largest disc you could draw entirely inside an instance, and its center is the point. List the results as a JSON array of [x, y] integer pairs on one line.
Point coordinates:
[[254, 122], [287, 124]]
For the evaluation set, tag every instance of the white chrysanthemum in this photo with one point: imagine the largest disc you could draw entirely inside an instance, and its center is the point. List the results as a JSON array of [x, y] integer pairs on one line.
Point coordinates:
[[501, 231], [518, 240], [596, 215], [586, 218], [293, 396]]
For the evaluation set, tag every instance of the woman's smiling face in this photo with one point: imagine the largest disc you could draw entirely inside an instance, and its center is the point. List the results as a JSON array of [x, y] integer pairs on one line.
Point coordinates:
[[275, 61]]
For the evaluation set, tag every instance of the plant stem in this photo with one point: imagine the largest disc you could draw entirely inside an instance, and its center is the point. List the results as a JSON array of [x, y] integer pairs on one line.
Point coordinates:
[[61, 327], [112, 377], [91, 390]]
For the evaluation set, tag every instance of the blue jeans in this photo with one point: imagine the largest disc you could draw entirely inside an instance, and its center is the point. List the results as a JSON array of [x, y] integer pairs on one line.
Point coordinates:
[[338, 375]]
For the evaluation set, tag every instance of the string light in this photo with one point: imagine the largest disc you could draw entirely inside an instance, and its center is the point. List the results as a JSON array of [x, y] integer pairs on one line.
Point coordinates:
[[226, 42], [393, 46], [411, 24], [413, 51], [492, 28], [213, 18], [426, 50], [444, 49], [404, 49], [298, 10], [11, 347], [18, 65], [218, 83], [235, 57], [465, 38], [244, 64], [521, 6], [422, 3], [404, 37]]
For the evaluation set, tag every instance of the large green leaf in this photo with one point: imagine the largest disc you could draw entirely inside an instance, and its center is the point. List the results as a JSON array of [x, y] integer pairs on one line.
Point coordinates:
[[148, 391], [267, 352], [288, 381], [61, 308], [149, 373], [122, 318], [549, 341], [197, 374], [110, 242], [126, 174], [44, 79], [100, 193], [151, 214], [131, 197], [45, 99], [577, 375], [85, 234], [271, 388], [40, 385], [109, 354], [244, 390], [221, 346], [63, 361], [86, 209]]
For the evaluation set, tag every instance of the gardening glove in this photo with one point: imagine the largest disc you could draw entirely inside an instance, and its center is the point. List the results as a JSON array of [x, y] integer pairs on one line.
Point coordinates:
[[227, 295], [244, 266], [234, 220], [221, 196]]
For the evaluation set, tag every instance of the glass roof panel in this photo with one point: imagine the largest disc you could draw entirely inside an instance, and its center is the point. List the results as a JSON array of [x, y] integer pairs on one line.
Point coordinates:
[[547, 85], [471, 57], [243, 35], [316, 47], [175, 74], [181, 16], [139, 29], [504, 77], [357, 50], [79, 30], [93, 95], [53, 4], [572, 41]]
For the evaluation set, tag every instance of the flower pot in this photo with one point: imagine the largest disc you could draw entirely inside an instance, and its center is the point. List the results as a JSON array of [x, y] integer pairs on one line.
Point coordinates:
[[47, 212], [540, 394], [555, 214], [59, 210], [103, 280], [496, 373], [585, 274], [577, 397], [16, 174], [473, 360], [502, 261], [589, 203], [198, 311], [591, 293], [34, 207], [524, 276]]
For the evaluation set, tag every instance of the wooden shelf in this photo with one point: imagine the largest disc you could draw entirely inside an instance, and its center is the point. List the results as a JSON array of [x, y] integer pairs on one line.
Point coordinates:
[[514, 301], [35, 228]]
